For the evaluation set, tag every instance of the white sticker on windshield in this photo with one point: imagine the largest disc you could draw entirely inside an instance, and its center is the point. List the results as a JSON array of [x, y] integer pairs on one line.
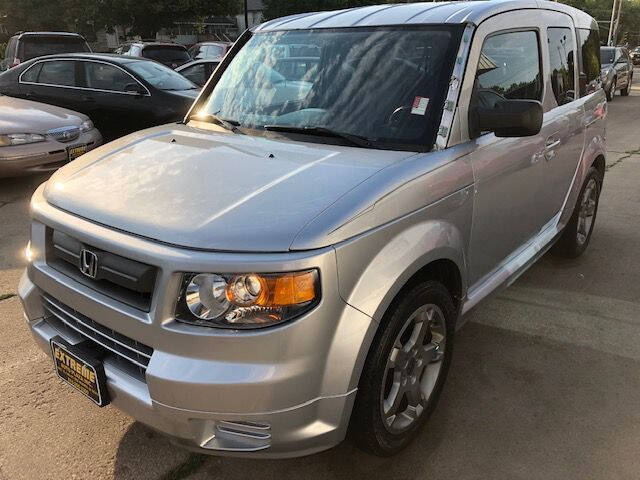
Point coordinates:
[[419, 106]]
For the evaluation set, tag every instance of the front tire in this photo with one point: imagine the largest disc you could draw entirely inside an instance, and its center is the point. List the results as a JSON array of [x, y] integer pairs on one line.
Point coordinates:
[[612, 91], [405, 369], [625, 91], [577, 234]]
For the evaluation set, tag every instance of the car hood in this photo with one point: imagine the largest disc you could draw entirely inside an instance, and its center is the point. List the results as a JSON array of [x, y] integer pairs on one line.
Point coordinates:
[[199, 187], [25, 116], [191, 94]]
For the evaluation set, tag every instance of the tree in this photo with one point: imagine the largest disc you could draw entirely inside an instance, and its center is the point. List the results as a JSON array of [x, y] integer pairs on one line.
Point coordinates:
[[281, 8], [20, 15], [144, 17], [601, 10], [147, 17]]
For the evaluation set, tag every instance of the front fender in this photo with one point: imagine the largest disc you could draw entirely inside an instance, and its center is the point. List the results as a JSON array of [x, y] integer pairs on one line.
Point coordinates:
[[373, 268]]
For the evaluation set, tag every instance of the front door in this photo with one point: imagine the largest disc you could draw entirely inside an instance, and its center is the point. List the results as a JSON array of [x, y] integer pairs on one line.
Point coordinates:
[[115, 108], [505, 62]]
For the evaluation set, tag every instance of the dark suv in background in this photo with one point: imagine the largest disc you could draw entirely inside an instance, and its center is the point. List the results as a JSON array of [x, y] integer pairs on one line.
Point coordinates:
[[24, 46], [170, 54]]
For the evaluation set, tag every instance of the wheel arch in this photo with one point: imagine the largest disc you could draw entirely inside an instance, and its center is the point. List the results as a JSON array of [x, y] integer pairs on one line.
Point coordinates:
[[444, 270], [444, 263], [599, 164]]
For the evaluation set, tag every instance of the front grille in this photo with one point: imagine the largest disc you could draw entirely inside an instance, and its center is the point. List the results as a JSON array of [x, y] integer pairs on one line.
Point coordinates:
[[64, 134], [122, 279], [133, 354]]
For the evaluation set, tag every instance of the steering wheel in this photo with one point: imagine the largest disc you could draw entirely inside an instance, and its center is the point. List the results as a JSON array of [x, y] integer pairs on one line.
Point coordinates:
[[397, 115]]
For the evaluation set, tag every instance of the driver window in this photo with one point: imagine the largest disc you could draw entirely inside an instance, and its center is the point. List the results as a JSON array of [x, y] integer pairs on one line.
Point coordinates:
[[106, 77], [509, 68]]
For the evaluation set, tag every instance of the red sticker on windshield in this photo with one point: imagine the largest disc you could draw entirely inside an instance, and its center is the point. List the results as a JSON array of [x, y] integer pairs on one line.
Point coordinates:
[[419, 105]]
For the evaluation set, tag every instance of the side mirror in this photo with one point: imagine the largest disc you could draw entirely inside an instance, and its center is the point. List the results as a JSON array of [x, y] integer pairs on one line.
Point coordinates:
[[134, 88], [510, 118]]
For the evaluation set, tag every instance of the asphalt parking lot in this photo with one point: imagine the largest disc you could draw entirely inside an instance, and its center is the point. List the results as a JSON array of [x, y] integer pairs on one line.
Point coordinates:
[[545, 382]]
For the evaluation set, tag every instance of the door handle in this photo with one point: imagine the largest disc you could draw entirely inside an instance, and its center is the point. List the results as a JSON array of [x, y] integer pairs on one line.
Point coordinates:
[[29, 94], [551, 143], [88, 99]]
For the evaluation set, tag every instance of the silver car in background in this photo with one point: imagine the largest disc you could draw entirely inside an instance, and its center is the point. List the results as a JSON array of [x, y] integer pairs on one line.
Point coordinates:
[[617, 71], [295, 258], [35, 137]]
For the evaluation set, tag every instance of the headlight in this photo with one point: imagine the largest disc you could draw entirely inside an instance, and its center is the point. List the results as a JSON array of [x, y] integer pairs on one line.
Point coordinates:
[[247, 300], [20, 139], [86, 126]]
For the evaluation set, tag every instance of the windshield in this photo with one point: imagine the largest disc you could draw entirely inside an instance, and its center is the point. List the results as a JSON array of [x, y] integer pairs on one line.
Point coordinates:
[[384, 84], [166, 54], [607, 55], [160, 76], [33, 47]]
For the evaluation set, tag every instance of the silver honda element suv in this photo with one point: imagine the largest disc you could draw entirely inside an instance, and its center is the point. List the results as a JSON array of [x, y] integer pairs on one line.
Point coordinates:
[[293, 260]]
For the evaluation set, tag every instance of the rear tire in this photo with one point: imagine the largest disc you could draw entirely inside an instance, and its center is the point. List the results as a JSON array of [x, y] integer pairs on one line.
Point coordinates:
[[577, 234], [405, 369]]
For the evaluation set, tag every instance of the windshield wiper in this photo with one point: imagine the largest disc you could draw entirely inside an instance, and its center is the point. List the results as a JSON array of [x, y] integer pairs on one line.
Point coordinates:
[[356, 140], [228, 124]]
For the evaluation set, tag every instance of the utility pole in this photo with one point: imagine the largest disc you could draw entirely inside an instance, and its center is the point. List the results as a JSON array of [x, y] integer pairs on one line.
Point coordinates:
[[615, 29], [615, 20]]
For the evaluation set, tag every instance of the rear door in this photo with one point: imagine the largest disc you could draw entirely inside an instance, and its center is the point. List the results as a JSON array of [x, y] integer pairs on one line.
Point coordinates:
[[54, 82], [562, 129]]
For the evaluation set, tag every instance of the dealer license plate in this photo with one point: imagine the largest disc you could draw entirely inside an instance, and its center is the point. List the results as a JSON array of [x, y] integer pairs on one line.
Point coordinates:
[[77, 368], [75, 152]]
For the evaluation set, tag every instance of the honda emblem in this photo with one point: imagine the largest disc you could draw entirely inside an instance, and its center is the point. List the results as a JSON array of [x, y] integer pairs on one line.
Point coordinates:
[[89, 263]]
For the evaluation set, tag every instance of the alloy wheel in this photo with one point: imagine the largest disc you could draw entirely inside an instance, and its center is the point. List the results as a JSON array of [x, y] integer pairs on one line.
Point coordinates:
[[587, 211], [413, 368]]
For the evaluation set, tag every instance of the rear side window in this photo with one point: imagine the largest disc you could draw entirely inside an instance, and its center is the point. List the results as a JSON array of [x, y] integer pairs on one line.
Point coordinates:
[[166, 54], [590, 69], [561, 57], [31, 75], [509, 67], [33, 47], [58, 73]]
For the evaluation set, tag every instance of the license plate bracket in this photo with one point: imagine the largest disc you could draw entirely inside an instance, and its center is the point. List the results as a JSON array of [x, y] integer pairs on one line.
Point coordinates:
[[75, 152], [77, 367]]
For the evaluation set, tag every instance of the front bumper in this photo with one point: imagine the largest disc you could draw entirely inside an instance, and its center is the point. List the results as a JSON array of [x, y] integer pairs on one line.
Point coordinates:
[[44, 156], [277, 392]]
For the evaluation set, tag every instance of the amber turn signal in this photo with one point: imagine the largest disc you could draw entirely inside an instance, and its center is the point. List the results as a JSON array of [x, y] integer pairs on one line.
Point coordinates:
[[273, 290]]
